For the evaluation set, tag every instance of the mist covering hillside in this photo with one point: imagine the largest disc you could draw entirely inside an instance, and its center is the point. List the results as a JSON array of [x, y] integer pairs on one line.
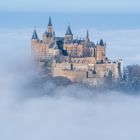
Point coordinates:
[[34, 109]]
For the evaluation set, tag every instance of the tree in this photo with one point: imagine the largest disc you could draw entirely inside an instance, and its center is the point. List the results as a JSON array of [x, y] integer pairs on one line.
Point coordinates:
[[134, 76]]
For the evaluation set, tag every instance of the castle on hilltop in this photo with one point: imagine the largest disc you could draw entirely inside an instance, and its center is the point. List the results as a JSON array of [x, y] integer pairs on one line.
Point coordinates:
[[79, 60]]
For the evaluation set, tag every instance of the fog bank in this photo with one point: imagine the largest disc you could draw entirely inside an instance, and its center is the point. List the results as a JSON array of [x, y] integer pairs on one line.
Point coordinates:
[[29, 112]]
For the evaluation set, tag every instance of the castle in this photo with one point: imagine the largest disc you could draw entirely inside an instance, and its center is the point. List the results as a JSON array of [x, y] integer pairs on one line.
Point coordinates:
[[79, 60]]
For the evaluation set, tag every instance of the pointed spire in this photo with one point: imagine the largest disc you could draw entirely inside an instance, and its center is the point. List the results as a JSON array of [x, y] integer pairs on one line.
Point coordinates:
[[68, 32], [87, 36], [34, 36], [50, 22]]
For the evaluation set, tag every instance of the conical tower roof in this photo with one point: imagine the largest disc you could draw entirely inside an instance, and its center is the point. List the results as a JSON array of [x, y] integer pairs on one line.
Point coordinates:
[[68, 32], [50, 22], [34, 36]]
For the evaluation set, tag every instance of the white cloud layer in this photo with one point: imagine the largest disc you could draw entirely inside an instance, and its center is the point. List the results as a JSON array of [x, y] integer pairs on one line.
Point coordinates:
[[73, 113]]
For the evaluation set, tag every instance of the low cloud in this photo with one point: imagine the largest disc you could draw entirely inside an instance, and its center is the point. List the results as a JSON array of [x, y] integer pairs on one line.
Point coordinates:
[[34, 110], [135, 58]]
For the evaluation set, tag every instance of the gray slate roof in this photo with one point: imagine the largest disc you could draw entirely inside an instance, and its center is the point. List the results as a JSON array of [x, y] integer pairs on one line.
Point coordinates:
[[68, 32], [50, 22], [101, 43], [34, 36]]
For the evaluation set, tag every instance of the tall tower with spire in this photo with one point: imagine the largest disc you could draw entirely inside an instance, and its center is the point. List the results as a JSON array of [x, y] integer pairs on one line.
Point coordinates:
[[68, 35], [50, 26], [34, 38], [49, 35], [34, 44]]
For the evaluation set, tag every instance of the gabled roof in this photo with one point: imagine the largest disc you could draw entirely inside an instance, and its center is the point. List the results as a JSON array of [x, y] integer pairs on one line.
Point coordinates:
[[50, 22], [34, 36], [68, 32], [91, 45]]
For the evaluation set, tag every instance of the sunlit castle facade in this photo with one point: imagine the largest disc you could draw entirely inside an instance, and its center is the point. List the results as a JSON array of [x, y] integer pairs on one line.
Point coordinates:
[[79, 60]]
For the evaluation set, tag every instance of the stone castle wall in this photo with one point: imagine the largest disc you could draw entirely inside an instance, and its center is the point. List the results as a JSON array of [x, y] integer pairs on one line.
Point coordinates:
[[78, 72], [64, 70]]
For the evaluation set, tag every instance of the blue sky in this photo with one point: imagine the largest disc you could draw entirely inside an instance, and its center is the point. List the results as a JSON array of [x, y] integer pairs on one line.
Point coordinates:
[[71, 5]]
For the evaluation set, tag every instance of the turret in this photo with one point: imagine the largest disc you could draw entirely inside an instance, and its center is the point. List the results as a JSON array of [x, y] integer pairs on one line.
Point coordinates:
[[68, 35], [34, 44], [49, 34], [100, 50]]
